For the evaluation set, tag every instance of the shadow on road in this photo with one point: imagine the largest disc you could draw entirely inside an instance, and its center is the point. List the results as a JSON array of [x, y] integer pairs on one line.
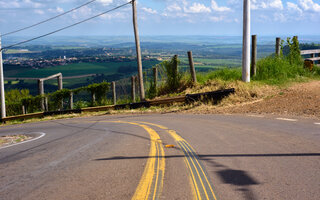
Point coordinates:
[[203, 156]]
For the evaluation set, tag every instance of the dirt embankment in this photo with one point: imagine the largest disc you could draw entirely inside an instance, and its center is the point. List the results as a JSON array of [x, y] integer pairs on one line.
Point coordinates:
[[300, 99]]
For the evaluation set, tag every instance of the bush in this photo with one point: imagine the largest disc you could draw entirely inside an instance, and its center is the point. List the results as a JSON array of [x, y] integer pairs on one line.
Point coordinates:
[[13, 101], [173, 77], [81, 104], [279, 69], [99, 90], [58, 97]]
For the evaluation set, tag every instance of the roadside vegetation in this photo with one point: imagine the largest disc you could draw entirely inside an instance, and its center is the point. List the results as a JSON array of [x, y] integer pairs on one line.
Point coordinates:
[[273, 72]]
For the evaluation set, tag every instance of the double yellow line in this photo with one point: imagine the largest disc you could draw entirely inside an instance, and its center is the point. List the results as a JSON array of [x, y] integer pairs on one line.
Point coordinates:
[[151, 182], [202, 187]]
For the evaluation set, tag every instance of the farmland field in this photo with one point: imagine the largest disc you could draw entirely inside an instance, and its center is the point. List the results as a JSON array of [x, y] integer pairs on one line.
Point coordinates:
[[108, 68]]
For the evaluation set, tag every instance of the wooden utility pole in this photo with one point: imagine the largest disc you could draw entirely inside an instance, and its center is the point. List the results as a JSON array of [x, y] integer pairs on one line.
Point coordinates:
[[192, 69], [2, 95], [246, 42], [254, 56], [133, 89], [138, 49], [114, 96], [278, 47]]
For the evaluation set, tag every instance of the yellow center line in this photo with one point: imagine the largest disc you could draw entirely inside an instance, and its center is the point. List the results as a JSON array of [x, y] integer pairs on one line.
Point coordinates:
[[189, 149], [197, 191], [150, 178], [195, 167], [157, 176], [209, 184]]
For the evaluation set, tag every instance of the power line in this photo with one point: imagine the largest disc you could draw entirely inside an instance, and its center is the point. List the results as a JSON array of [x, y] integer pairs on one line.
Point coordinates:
[[44, 21], [61, 29]]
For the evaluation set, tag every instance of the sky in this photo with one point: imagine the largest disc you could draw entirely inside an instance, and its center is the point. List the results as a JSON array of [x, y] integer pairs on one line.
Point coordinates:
[[164, 17]]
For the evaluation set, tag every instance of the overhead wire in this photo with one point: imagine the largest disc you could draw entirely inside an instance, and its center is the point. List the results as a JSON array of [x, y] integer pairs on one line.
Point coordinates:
[[44, 21], [66, 27]]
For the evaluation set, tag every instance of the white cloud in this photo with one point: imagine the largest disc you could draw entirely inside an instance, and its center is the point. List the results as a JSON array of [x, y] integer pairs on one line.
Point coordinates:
[[105, 2], [40, 12], [173, 7], [279, 17], [216, 19], [215, 7], [11, 4], [309, 5], [266, 4], [32, 4], [56, 10], [149, 10], [82, 13], [294, 7], [20, 4], [197, 8]]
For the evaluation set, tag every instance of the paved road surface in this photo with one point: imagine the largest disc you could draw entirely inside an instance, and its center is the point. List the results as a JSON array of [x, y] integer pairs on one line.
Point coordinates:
[[125, 157]]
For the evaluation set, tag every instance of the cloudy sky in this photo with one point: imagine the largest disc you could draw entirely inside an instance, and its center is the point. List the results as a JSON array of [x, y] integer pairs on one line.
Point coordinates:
[[165, 17]]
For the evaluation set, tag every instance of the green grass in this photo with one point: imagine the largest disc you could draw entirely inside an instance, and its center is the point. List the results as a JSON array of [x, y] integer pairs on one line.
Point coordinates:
[[270, 70], [227, 74], [199, 62], [14, 51]]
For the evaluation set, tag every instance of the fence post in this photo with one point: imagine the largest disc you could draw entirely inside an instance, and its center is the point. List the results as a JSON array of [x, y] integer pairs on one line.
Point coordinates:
[[133, 89], [41, 92], [192, 69], [93, 98], [114, 96], [46, 107], [60, 83], [278, 48], [155, 77], [254, 56], [71, 100], [23, 110]]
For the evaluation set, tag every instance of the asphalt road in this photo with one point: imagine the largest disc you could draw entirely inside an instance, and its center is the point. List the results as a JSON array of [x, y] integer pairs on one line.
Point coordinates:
[[125, 157]]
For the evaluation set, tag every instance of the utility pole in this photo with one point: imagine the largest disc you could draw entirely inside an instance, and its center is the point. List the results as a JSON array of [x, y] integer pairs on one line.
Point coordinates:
[[136, 35], [246, 42], [2, 96]]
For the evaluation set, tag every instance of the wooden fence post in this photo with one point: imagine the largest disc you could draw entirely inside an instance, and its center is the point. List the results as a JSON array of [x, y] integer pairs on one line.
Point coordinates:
[[114, 96], [192, 69], [155, 77], [133, 89], [60, 83], [278, 48], [254, 56], [71, 101]]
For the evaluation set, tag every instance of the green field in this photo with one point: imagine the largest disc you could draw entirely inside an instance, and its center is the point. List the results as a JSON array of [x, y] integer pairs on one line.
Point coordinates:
[[81, 69], [205, 64]]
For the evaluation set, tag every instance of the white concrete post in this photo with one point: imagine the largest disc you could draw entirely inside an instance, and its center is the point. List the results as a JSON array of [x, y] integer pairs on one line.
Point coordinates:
[[246, 42], [2, 95]]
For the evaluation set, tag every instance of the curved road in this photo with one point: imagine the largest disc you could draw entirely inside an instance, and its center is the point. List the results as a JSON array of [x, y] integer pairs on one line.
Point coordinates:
[[169, 156]]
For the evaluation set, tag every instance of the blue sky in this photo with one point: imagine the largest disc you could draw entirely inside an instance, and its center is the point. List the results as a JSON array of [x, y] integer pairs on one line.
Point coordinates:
[[166, 17]]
